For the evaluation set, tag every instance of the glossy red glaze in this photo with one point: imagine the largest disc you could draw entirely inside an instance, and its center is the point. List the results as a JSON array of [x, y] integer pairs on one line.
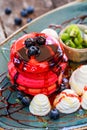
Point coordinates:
[[37, 74]]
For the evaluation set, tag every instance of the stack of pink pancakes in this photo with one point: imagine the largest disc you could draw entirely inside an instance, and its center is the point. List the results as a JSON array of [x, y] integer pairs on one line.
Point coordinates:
[[37, 63]]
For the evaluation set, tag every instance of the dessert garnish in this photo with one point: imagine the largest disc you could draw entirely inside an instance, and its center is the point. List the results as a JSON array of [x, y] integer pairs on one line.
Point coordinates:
[[78, 79], [40, 105], [67, 101], [75, 37], [54, 114], [50, 32]]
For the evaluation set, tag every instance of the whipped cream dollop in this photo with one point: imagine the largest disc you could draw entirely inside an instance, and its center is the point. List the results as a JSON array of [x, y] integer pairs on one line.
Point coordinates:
[[67, 101], [78, 79], [84, 100], [50, 32], [40, 105]]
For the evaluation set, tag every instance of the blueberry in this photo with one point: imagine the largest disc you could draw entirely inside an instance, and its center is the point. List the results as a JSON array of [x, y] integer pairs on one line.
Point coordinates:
[[29, 20], [62, 87], [8, 11], [29, 42], [20, 95], [30, 9], [18, 21], [65, 80], [81, 112], [26, 100], [54, 114], [24, 13], [16, 62], [33, 50], [41, 40]]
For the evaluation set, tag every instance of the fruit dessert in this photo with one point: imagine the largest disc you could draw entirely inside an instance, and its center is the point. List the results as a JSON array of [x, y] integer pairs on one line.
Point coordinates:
[[37, 64], [78, 79], [67, 101], [40, 105]]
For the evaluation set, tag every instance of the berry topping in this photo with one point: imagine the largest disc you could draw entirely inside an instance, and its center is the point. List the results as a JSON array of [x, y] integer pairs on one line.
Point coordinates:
[[65, 80], [54, 114], [30, 9], [16, 62], [20, 95], [33, 50], [29, 42], [26, 100], [8, 11], [24, 13], [18, 21], [81, 112], [41, 40], [62, 87]]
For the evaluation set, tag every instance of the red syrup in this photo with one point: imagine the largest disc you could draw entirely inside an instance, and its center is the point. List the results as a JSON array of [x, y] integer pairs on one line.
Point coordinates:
[[39, 72]]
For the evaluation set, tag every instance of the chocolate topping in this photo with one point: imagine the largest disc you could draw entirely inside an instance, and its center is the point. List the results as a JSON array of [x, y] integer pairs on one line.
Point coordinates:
[[47, 52]]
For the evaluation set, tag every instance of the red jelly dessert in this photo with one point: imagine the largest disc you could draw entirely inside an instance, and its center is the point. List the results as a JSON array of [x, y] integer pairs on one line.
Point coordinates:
[[37, 63]]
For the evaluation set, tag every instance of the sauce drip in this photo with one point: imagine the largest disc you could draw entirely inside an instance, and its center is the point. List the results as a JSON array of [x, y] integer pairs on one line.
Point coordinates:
[[76, 20]]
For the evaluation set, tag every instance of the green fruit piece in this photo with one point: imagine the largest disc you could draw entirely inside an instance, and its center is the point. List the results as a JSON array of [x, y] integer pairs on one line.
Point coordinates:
[[65, 36], [72, 27], [70, 44], [80, 39], [76, 41], [84, 45], [79, 47], [74, 33]]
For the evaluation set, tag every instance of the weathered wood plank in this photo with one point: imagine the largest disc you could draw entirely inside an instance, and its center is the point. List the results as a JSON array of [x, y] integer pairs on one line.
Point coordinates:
[[57, 3], [41, 6], [2, 33]]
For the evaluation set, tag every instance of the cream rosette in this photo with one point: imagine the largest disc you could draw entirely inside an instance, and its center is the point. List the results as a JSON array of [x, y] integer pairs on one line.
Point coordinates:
[[78, 79], [67, 101], [50, 32], [40, 105], [84, 100]]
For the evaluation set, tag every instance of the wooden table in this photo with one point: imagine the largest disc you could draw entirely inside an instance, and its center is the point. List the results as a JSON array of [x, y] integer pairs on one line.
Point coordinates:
[[7, 26]]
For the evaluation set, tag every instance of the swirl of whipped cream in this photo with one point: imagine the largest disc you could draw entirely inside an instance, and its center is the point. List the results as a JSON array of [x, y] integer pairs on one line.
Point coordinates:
[[50, 32], [67, 101], [78, 79], [84, 100], [40, 105]]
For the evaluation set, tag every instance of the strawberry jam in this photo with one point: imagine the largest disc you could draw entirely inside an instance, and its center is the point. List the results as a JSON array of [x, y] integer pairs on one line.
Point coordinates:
[[37, 64]]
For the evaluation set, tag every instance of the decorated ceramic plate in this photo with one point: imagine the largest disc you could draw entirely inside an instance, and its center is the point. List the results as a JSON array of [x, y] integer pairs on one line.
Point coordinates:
[[12, 113]]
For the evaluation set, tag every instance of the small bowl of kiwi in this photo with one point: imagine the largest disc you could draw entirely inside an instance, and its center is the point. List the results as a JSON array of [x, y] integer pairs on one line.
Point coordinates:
[[73, 38]]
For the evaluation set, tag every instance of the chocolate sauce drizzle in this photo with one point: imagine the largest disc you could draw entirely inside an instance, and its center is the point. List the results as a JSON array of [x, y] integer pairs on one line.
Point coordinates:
[[12, 111], [76, 20]]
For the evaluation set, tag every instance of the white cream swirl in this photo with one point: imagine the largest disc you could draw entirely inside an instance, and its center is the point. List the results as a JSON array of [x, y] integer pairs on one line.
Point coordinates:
[[50, 32], [78, 79], [84, 100], [40, 105], [67, 101]]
